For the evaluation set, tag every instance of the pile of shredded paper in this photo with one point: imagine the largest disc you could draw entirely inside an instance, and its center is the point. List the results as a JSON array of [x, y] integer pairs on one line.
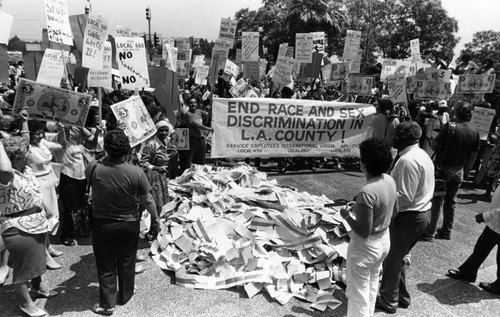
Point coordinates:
[[234, 227]]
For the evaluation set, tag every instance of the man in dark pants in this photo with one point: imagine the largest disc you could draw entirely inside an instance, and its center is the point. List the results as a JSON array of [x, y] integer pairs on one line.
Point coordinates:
[[197, 142], [414, 176], [459, 154]]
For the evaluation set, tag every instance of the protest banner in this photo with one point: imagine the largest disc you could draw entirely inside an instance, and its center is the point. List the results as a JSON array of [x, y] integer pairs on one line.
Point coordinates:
[[132, 62], [133, 114], [481, 121], [44, 102], [5, 26], [227, 30], [483, 83], [183, 68], [180, 139], [52, 68], [246, 127], [250, 46], [102, 77], [282, 75], [356, 64], [396, 84], [282, 49], [199, 60], [318, 43], [415, 50], [432, 90], [303, 47], [238, 89], [351, 45], [360, 86], [59, 30], [202, 74], [251, 70], [96, 33]]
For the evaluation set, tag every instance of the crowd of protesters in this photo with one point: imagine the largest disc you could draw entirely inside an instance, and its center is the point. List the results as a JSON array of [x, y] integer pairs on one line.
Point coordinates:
[[46, 169]]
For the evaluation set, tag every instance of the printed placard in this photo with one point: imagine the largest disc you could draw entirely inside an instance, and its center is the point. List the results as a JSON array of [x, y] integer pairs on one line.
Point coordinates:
[[481, 121], [102, 77], [432, 90], [184, 55], [132, 63], [96, 33], [199, 60], [201, 74], [282, 49], [227, 30], [318, 42], [231, 70], [183, 69], [180, 139], [123, 31], [360, 86], [44, 102], [238, 56], [282, 74], [251, 70], [183, 43], [396, 84], [303, 47], [356, 64], [133, 114], [268, 127], [5, 26], [250, 46], [52, 67], [351, 45], [415, 49], [238, 89], [476, 83], [58, 27], [338, 71], [434, 74]]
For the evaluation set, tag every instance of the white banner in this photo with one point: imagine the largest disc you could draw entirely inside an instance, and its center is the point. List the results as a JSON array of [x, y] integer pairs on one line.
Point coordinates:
[[303, 47], [351, 45], [476, 83], [360, 86], [52, 67], [227, 30], [45, 102], [481, 121], [58, 28], [246, 127], [250, 46], [138, 124], [132, 63], [102, 77], [96, 33]]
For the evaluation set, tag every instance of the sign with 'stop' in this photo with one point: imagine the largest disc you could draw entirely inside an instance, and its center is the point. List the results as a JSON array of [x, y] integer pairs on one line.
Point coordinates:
[[132, 63], [58, 27]]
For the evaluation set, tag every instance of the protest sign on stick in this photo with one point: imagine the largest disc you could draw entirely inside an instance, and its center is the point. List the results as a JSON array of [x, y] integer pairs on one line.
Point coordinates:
[[5, 26], [238, 89], [59, 30], [180, 139], [481, 121], [483, 83], [250, 46], [361, 86], [318, 43], [102, 77], [303, 47], [52, 68], [267, 127], [415, 50], [282, 49], [251, 70], [227, 30], [133, 114], [132, 62], [351, 45], [396, 84], [282, 75], [202, 74], [4, 64], [44, 102], [432, 90], [96, 33]]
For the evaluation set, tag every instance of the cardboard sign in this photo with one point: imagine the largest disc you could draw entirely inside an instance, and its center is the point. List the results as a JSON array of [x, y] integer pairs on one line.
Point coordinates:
[[180, 139], [52, 68], [138, 124], [44, 102], [201, 75], [434, 74], [231, 70], [183, 69], [476, 83], [336, 71], [184, 55], [183, 44], [282, 49], [303, 47], [250, 46], [238, 56], [251, 70], [415, 50], [96, 33], [396, 84], [356, 64], [102, 77], [227, 30], [289, 51], [166, 85], [360, 86], [238, 89], [199, 60], [283, 71], [351, 45], [5, 26], [59, 30], [262, 67], [432, 90], [319, 42], [268, 127], [481, 121], [132, 63]]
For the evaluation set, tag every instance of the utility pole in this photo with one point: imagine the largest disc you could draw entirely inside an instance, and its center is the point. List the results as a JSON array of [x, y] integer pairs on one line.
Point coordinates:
[[148, 17]]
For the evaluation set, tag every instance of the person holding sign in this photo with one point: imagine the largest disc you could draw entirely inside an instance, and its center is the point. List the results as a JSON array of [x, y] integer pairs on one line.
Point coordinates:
[[197, 142]]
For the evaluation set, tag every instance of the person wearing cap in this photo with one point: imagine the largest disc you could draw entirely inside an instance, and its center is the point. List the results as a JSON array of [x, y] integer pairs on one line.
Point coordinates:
[[116, 186], [155, 158], [413, 173]]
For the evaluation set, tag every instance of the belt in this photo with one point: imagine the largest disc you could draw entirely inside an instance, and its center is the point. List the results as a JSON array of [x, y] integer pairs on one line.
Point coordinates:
[[27, 212]]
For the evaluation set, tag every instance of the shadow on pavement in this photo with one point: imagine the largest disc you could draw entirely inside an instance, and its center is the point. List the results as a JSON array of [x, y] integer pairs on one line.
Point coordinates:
[[452, 292]]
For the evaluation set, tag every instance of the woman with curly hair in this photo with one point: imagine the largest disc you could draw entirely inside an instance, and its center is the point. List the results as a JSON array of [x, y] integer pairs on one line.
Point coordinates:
[[369, 219]]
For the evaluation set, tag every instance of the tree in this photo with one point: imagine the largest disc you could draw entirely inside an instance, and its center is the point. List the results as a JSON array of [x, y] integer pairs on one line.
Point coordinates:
[[306, 16], [16, 44]]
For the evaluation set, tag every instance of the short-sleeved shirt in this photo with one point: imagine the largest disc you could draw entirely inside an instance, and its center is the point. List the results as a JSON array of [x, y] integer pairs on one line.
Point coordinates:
[[116, 186], [380, 195], [22, 193]]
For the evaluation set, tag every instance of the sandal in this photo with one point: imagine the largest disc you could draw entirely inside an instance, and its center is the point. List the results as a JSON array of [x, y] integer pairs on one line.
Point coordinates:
[[103, 311], [50, 294], [38, 313]]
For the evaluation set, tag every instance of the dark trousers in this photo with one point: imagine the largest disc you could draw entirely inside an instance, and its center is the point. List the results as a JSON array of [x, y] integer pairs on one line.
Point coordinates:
[[183, 161], [115, 250], [485, 243], [72, 195], [405, 229], [197, 151], [453, 182]]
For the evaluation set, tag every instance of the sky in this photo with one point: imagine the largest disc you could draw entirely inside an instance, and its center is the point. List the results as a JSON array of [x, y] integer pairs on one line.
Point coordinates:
[[201, 18]]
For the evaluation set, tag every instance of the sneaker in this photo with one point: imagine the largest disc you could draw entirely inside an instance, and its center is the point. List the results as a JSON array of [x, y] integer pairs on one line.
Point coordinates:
[[441, 236]]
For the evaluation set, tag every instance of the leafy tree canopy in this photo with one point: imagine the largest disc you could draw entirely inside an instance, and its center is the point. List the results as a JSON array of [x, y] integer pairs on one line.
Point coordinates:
[[16, 44]]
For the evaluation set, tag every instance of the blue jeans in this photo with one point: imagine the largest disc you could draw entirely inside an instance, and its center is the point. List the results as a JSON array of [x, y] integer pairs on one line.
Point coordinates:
[[453, 181]]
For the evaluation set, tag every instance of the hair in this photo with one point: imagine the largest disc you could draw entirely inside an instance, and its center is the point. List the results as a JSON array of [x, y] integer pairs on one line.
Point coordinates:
[[386, 106], [34, 126], [376, 155], [286, 92], [464, 111], [409, 130], [191, 98], [15, 147], [488, 62], [11, 122], [91, 120], [116, 144]]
